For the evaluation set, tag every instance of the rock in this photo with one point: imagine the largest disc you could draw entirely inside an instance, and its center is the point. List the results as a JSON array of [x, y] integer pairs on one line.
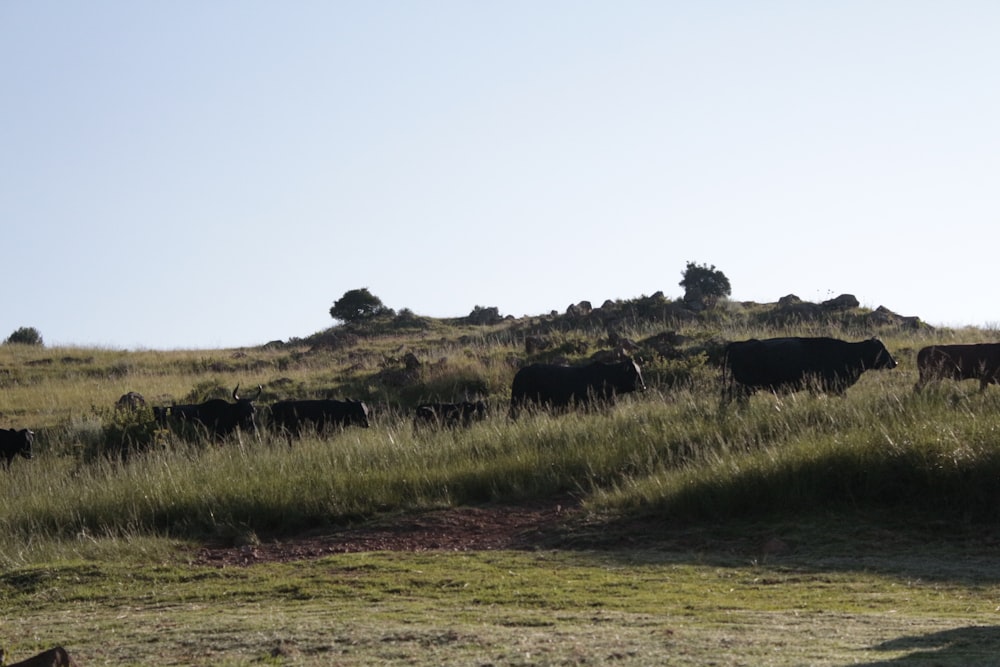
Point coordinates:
[[789, 300], [131, 401], [533, 344], [411, 362], [842, 302]]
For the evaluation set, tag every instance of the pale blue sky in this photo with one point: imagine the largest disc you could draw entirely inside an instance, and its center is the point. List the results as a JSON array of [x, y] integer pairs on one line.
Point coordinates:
[[217, 173]]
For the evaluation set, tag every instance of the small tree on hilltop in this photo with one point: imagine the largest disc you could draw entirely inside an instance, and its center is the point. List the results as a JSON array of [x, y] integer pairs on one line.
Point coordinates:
[[24, 336], [358, 305], [703, 285]]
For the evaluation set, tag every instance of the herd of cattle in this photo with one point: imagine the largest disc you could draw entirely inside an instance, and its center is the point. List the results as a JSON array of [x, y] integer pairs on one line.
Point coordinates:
[[826, 365]]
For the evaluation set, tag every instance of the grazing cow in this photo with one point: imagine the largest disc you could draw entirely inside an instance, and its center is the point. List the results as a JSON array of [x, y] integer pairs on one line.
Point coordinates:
[[292, 416], [793, 364], [14, 443], [554, 387], [959, 362], [218, 416], [130, 401], [450, 415]]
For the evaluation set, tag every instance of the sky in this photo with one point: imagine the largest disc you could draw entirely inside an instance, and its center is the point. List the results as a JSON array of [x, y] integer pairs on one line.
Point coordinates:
[[215, 174]]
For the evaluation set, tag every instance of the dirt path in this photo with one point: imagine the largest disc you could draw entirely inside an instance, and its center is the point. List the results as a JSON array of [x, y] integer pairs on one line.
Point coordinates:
[[454, 529]]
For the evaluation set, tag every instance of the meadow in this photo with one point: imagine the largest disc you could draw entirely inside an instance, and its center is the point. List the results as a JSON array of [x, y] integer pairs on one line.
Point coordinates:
[[800, 529]]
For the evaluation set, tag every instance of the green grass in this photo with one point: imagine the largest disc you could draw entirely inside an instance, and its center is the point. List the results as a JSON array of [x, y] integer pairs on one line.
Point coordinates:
[[882, 495], [509, 608]]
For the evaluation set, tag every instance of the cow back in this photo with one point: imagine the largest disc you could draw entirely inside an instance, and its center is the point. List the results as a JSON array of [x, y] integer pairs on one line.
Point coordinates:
[[793, 363], [979, 361], [293, 415], [552, 386]]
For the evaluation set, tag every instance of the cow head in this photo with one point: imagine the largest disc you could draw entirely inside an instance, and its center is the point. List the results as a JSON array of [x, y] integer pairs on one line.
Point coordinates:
[[634, 375], [28, 438], [246, 410], [877, 356], [359, 413]]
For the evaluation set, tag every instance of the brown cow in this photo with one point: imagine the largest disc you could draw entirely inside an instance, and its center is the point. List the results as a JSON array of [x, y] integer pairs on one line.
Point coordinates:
[[959, 362]]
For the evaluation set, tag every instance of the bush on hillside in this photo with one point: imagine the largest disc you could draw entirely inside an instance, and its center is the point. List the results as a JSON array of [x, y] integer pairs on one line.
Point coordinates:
[[358, 305], [24, 336], [704, 285]]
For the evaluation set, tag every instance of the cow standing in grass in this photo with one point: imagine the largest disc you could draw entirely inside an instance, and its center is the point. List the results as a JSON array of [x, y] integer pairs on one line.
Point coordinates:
[[292, 417], [959, 362], [217, 416], [557, 388], [793, 364], [15, 443]]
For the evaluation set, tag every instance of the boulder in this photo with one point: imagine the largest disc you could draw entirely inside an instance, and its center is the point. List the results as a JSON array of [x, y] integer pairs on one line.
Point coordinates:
[[842, 302]]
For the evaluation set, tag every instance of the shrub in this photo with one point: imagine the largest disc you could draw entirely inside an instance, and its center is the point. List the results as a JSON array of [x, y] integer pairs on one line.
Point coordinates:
[[704, 285], [25, 336], [358, 305]]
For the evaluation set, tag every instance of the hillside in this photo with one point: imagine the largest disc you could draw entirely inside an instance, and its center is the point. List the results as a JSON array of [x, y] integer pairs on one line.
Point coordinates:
[[731, 522], [406, 359], [396, 362], [670, 451]]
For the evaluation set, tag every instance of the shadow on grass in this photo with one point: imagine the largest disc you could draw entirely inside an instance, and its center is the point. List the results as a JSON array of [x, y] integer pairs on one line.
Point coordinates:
[[972, 645], [886, 543]]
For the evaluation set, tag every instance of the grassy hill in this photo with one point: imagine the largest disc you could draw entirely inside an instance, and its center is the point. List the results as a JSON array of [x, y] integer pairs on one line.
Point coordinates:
[[671, 451], [669, 474]]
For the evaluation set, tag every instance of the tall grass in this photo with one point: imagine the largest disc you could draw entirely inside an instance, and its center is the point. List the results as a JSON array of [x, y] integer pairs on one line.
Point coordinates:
[[881, 448], [673, 452]]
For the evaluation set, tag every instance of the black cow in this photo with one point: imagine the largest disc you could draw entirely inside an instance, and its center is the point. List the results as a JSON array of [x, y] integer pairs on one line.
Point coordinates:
[[959, 362], [292, 416], [449, 415], [162, 415], [218, 416], [554, 387], [14, 443], [792, 364]]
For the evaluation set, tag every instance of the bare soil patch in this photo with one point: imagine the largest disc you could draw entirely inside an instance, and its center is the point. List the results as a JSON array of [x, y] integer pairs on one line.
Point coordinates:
[[483, 528]]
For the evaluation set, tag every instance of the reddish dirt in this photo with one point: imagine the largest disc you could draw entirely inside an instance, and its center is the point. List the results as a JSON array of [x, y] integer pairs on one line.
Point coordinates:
[[483, 528]]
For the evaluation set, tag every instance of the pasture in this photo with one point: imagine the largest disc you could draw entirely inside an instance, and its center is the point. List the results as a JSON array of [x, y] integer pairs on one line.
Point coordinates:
[[803, 529]]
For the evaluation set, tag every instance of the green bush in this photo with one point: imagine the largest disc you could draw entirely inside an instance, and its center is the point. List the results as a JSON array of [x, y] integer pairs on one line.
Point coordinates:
[[24, 336]]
